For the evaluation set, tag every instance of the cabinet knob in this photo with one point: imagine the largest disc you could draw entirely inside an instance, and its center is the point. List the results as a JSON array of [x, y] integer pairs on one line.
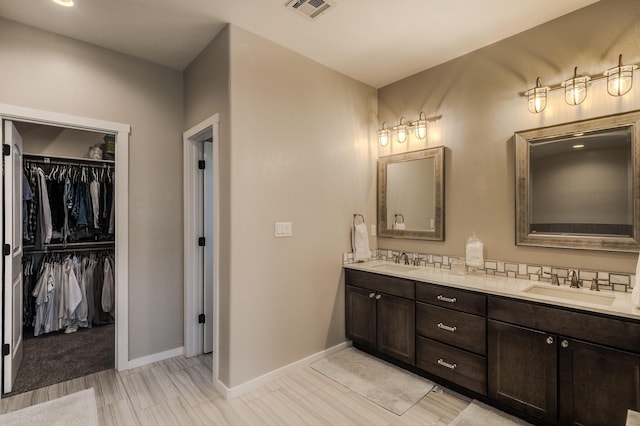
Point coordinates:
[[371, 295], [564, 344], [549, 340], [378, 296]]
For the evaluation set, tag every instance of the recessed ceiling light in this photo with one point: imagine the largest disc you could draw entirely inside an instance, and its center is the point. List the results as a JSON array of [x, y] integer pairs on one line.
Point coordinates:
[[578, 146], [67, 3]]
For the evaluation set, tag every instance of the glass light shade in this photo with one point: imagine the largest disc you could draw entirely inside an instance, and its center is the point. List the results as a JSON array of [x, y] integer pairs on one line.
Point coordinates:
[[620, 78], [402, 131], [383, 135], [537, 98], [575, 89], [421, 126]]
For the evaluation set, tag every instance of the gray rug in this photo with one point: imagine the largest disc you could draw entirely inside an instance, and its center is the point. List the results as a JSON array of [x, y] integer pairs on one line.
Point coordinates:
[[76, 409], [384, 384], [479, 414]]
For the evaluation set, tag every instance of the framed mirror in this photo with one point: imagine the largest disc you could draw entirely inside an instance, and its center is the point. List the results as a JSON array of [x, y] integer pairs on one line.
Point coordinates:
[[578, 185], [411, 195]]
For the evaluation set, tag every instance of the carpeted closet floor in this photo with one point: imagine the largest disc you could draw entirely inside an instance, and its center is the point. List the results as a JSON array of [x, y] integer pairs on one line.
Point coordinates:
[[57, 357]]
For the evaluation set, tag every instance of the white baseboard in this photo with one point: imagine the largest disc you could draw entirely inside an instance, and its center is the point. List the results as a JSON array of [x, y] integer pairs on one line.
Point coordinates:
[[230, 393], [149, 359]]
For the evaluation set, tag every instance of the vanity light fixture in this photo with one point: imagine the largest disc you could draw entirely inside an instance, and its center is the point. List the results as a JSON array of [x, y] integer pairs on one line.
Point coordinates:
[[620, 78], [404, 128], [575, 88], [537, 97], [619, 82], [66, 3], [383, 135]]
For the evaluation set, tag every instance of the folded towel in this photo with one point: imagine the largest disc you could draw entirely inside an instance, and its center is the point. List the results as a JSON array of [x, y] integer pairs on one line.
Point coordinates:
[[399, 226], [635, 294], [360, 242]]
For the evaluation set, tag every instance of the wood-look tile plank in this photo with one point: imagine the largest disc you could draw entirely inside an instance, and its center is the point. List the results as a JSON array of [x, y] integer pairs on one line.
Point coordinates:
[[138, 391], [278, 409], [118, 413]]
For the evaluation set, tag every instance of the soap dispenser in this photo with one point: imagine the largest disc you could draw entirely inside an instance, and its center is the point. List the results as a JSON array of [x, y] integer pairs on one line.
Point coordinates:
[[474, 253]]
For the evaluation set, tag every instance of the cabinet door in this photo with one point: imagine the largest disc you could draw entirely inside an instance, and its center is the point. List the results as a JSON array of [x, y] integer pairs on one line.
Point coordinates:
[[522, 369], [361, 316], [397, 328], [597, 384]]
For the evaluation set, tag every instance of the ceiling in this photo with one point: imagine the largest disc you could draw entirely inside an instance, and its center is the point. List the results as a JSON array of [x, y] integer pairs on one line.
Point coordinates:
[[376, 42]]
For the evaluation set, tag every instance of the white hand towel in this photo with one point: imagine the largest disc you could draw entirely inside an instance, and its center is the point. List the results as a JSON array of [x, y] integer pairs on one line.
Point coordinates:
[[399, 226], [360, 243], [635, 294]]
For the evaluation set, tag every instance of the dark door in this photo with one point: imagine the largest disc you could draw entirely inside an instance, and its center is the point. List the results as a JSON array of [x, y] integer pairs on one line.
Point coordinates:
[[397, 328], [597, 384], [522, 369], [361, 316]]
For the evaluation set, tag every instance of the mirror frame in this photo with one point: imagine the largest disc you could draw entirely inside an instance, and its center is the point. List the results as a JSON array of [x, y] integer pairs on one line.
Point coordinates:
[[437, 234], [591, 242]]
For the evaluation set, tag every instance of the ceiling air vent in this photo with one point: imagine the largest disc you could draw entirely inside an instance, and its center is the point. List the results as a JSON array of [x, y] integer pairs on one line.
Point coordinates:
[[311, 8]]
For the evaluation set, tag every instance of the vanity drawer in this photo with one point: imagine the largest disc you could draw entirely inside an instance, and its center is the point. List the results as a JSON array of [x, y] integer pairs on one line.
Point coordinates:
[[452, 364], [590, 327], [452, 298], [455, 328], [382, 283]]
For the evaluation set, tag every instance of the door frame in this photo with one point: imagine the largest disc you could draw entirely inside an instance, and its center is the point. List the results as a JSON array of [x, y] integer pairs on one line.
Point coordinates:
[[122, 132], [193, 262]]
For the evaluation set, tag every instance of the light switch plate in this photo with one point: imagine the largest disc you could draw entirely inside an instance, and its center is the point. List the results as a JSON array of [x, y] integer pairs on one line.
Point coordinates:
[[283, 229]]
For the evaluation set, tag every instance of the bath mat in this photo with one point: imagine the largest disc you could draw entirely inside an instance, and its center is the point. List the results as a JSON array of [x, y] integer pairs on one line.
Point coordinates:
[[76, 409], [479, 414], [382, 383]]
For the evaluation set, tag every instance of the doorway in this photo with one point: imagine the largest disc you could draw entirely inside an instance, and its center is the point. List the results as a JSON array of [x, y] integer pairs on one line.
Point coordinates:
[[201, 239], [10, 324]]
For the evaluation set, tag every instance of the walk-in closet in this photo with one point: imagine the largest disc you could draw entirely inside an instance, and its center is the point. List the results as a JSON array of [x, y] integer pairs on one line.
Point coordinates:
[[68, 261]]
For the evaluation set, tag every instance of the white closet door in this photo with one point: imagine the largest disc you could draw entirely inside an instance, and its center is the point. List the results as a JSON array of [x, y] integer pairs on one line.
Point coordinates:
[[12, 279]]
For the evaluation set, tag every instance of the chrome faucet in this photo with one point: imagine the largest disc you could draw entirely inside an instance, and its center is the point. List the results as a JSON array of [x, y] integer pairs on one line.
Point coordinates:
[[406, 258], [554, 278], [417, 259], [594, 285], [572, 276]]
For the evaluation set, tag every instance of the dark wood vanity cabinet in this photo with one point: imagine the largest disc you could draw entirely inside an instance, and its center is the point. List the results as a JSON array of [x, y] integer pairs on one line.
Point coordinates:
[[451, 335], [380, 314], [537, 369]]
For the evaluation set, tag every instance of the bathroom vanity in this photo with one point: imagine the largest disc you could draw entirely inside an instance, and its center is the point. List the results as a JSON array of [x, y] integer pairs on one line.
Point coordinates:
[[553, 359]]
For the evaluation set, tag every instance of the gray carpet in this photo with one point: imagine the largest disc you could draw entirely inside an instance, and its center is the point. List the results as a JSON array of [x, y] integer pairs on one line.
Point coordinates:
[[385, 384], [76, 409], [57, 357], [479, 414]]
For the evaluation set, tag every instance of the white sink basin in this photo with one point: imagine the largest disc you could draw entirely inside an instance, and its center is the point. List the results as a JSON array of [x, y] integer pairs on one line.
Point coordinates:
[[395, 268], [573, 294]]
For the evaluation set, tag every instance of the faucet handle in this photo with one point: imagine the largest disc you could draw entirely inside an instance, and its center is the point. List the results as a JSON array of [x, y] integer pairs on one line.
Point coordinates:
[[554, 278]]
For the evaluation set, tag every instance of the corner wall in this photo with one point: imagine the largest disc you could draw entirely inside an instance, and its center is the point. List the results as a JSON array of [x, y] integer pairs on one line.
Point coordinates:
[[478, 96], [45, 71]]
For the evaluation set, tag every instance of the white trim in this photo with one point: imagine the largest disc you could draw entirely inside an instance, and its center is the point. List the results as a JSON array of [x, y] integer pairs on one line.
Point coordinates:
[[121, 131], [230, 393], [192, 219], [160, 356]]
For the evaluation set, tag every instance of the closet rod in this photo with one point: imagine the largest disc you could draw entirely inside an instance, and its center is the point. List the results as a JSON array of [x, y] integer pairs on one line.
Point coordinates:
[[66, 158], [82, 246], [93, 165], [67, 250]]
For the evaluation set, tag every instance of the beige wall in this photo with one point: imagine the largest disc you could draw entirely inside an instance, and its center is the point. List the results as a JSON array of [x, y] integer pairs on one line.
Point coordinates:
[[206, 92], [301, 151], [478, 98], [45, 71]]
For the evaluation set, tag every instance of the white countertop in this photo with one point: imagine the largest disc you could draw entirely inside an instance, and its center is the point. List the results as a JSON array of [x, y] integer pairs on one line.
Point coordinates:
[[502, 286]]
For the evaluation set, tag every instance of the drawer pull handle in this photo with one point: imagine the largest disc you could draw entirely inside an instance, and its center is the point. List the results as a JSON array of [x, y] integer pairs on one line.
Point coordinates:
[[564, 344], [378, 296], [446, 299], [446, 327], [550, 340], [371, 295], [446, 364]]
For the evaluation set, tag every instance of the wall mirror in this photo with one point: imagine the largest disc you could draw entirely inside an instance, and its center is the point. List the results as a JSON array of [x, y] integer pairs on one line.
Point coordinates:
[[578, 185], [411, 195]]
